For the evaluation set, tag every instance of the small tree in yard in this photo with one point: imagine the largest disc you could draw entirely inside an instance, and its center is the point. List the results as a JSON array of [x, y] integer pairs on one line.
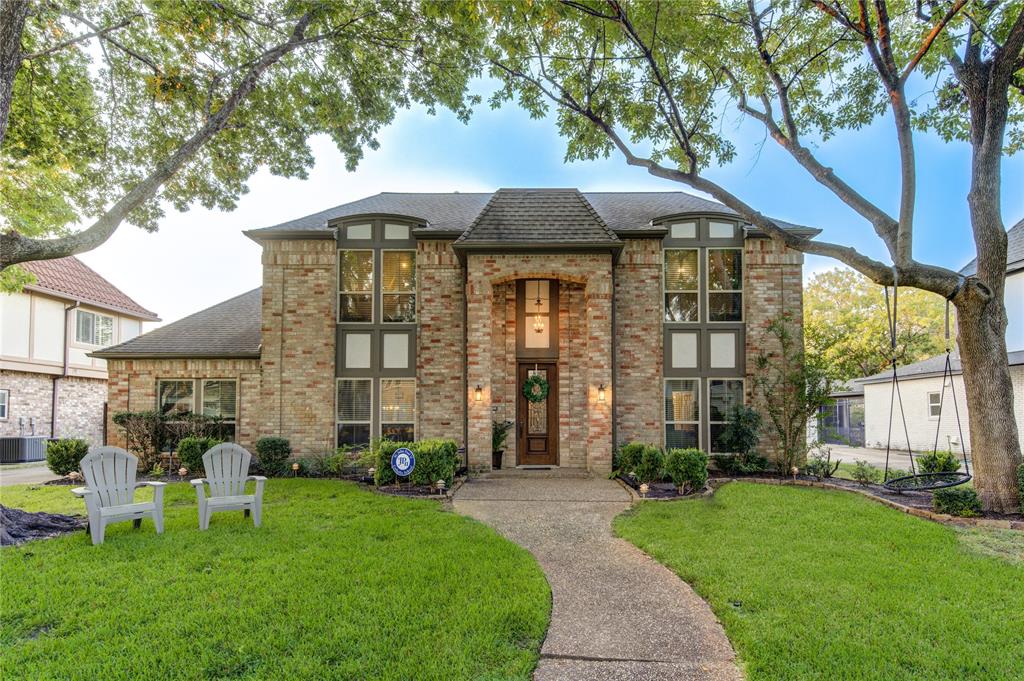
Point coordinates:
[[143, 434], [661, 83], [790, 387]]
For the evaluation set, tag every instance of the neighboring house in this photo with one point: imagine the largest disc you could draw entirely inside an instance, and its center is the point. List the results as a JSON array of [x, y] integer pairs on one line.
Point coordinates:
[[412, 316], [921, 384], [842, 422], [49, 385]]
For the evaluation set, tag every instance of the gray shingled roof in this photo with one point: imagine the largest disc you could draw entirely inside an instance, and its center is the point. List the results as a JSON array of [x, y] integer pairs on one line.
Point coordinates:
[[228, 329], [538, 216], [933, 366], [455, 212], [1014, 251]]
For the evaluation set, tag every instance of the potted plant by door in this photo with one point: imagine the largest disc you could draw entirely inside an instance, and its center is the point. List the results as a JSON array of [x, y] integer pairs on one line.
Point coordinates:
[[499, 433]]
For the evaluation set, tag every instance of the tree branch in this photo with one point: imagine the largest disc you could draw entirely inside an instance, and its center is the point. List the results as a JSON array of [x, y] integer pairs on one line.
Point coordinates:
[[15, 248], [99, 33], [929, 39]]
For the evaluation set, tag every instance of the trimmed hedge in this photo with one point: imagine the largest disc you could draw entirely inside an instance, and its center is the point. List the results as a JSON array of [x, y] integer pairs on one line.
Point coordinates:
[[190, 452], [273, 454], [64, 456], [687, 468], [958, 501], [651, 467], [629, 457], [435, 460]]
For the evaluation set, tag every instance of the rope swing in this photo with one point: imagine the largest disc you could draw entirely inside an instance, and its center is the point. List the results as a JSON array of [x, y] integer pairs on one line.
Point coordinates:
[[916, 482]]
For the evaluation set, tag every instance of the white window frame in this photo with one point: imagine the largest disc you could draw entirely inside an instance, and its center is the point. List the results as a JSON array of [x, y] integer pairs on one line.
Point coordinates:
[[743, 396], [5, 404], [707, 284], [337, 421], [380, 406], [700, 410], [414, 292], [373, 285], [202, 397], [665, 291], [95, 328], [187, 379], [937, 405]]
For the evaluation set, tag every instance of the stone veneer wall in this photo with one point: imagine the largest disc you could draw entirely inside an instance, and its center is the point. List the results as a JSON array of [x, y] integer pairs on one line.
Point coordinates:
[[79, 405], [488, 310], [132, 387], [638, 393], [297, 357], [440, 310], [773, 285]]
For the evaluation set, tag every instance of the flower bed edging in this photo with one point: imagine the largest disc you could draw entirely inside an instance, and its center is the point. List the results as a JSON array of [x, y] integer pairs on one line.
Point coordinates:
[[919, 512]]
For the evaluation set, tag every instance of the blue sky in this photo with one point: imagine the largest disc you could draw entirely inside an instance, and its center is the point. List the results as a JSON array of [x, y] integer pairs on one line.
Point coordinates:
[[200, 258]]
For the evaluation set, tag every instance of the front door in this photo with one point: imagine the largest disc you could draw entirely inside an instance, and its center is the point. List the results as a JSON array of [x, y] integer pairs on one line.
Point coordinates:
[[537, 422]]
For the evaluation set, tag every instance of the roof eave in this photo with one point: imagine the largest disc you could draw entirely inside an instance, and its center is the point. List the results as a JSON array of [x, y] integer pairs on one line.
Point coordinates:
[[100, 354], [148, 316], [259, 235]]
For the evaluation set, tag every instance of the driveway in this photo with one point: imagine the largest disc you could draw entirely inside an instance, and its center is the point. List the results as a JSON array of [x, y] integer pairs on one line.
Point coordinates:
[[876, 457], [25, 473], [616, 612]]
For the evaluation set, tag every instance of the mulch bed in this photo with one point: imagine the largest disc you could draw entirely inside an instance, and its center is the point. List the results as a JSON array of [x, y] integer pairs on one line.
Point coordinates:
[[657, 490], [17, 526]]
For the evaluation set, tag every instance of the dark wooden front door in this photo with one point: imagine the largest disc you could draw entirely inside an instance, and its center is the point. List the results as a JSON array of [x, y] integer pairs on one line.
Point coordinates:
[[537, 422]]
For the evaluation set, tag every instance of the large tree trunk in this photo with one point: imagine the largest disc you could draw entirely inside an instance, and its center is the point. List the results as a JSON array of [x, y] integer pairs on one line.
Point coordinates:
[[995, 445], [12, 23]]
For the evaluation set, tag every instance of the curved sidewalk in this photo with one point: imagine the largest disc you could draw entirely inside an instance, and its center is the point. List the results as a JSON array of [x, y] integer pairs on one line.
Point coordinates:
[[617, 613]]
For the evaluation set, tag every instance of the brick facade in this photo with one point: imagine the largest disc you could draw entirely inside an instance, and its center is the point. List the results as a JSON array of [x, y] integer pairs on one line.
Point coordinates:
[[79, 406], [585, 281], [773, 285], [639, 339], [441, 313], [132, 387], [298, 334]]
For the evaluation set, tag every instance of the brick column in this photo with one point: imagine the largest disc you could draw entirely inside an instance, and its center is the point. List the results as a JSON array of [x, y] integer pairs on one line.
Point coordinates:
[[599, 371], [479, 305]]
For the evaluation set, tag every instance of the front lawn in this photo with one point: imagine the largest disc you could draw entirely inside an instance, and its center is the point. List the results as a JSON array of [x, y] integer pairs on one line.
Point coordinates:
[[338, 583], [817, 584]]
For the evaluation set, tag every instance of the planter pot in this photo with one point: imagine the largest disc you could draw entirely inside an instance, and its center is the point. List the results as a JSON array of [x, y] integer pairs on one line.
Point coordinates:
[[496, 459]]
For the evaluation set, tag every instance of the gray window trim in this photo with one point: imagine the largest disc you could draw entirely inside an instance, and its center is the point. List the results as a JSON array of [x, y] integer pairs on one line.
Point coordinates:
[[374, 405], [701, 419], [378, 285], [707, 287], [743, 395], [700, 284], [5, 394], [415, 405], [374, 286]]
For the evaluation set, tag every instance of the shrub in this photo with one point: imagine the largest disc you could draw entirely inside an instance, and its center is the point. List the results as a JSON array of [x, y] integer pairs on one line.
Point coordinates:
[[652, 464], [1020, 485], [63, 456], [435, 460], [958, 501], [190, 452], [143, 434], [740, 464], [865, 473], [192, 425], [629, 457], [740, 434], [819, 463], [273, 453], [687, 468], [938, 462]]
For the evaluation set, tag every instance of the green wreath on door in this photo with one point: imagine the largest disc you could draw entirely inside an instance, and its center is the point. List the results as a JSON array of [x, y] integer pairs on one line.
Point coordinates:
[[536, 388]]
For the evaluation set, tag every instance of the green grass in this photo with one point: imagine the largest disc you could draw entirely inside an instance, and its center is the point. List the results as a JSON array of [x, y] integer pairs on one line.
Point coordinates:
[[818, 584], [339, 583]]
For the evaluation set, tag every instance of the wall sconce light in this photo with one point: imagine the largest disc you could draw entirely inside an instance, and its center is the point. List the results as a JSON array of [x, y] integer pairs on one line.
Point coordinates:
[[600, 393], [478, 394]]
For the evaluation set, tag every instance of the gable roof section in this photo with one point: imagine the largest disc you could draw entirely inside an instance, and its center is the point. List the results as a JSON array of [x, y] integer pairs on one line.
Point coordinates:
[[624, 213], [538, 216], [1014, 251], [932, 366], [72, 279], [228, 329]]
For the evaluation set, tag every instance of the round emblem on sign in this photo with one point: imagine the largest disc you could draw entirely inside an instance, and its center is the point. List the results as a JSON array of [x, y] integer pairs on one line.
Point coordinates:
[[403, 462]]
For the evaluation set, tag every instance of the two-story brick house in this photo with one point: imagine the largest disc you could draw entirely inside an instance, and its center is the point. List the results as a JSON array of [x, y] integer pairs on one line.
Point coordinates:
[[49, 385], [424, 315]]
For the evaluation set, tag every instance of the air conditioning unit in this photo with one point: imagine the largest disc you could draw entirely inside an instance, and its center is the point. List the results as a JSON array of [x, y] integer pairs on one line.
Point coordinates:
[[22, 449]]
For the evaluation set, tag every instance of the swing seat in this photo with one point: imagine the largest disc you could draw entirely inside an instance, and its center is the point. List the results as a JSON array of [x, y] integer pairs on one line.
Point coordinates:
[[923, 482]]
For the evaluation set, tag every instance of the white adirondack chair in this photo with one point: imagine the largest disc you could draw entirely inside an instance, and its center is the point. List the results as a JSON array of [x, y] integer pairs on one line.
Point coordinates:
[[110, 491], [227, 471]]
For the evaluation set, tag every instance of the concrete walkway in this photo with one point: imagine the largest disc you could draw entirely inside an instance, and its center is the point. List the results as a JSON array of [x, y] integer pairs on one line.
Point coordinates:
[[617, 613], [25, 473]]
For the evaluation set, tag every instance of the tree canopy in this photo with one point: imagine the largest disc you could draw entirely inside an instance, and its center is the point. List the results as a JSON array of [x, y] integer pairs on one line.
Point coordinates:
[[117, 106], [847, 326]]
